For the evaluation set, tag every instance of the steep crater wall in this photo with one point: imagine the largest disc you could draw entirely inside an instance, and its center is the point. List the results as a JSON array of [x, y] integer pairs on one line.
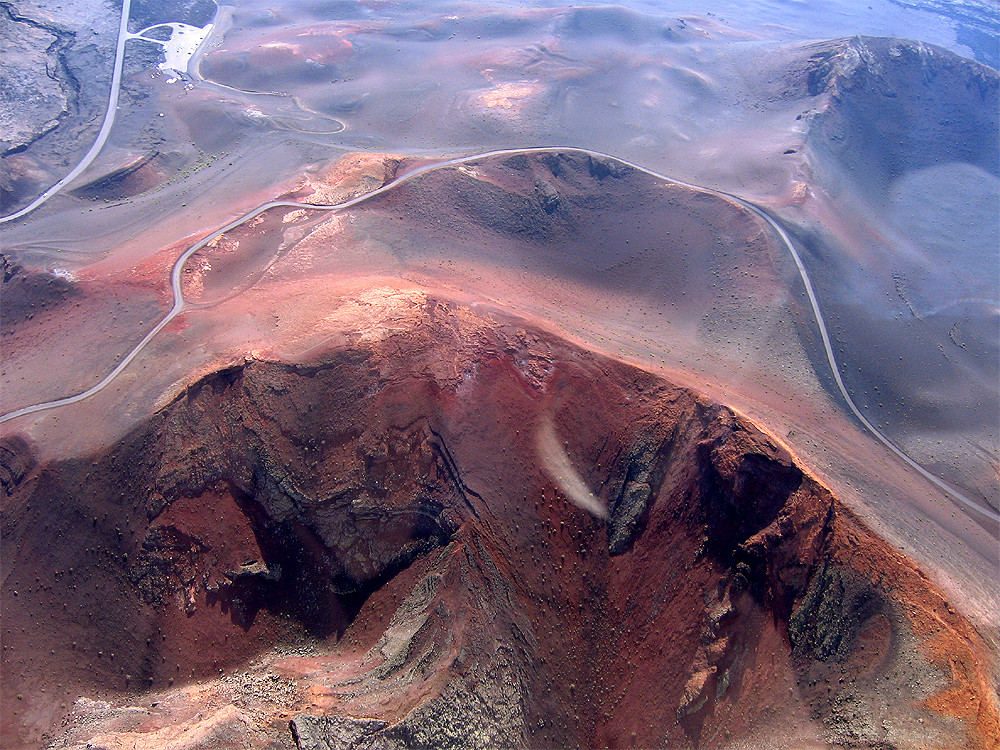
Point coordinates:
[[896, 106], [725, 593]]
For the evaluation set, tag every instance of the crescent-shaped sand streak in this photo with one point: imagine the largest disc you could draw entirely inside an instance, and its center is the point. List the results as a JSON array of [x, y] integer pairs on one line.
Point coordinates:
[[178, 306]]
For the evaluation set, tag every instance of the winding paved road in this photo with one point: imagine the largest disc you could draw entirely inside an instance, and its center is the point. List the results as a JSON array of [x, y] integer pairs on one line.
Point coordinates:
[[102, 136], [178, 294], [834, 367]]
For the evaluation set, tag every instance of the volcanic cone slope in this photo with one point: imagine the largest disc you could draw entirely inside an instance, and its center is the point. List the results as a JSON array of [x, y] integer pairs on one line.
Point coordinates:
[[466, 534]]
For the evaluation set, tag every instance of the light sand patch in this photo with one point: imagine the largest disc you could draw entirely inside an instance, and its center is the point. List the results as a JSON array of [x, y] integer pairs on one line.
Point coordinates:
[[510, 95], [352, 176]]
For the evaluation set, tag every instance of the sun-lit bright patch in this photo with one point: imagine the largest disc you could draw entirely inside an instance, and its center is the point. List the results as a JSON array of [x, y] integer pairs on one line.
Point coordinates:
[[800, 193], [284, 46], [510, 95]]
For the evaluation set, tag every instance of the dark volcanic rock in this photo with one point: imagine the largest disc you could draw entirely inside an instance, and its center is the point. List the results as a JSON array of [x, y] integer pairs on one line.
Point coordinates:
[[333, 732], [834, 609], [16, 461], [897, 106], [148, 12], [389, 501], [26, 292], [136, 176], [35, 83], [643, 478]]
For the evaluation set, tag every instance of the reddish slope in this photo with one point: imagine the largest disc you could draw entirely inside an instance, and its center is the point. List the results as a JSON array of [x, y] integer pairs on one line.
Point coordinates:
[[394, 501]]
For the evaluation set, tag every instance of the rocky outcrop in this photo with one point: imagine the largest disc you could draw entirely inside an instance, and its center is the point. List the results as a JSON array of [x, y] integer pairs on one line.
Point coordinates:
[[35, 79], [835, 608], [643, 478], [476, 715], [896, 106], [334, 732], [376, 529], [16, 462]]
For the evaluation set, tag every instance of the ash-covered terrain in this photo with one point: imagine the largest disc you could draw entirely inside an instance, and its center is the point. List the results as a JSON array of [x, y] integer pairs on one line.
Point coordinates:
[[487, 376]]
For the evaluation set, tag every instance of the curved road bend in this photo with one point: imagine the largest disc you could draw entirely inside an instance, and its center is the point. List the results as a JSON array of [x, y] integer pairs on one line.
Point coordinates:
[[178, 293], [834, 367], [102, 136]]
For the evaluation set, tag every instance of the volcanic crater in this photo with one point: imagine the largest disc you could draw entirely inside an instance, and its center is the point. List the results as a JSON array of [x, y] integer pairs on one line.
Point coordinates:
[[365, 492], [470, 533]]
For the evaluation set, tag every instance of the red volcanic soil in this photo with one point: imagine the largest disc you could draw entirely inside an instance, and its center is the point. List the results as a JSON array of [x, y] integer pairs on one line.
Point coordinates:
[[59, 335], [390, 545]]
